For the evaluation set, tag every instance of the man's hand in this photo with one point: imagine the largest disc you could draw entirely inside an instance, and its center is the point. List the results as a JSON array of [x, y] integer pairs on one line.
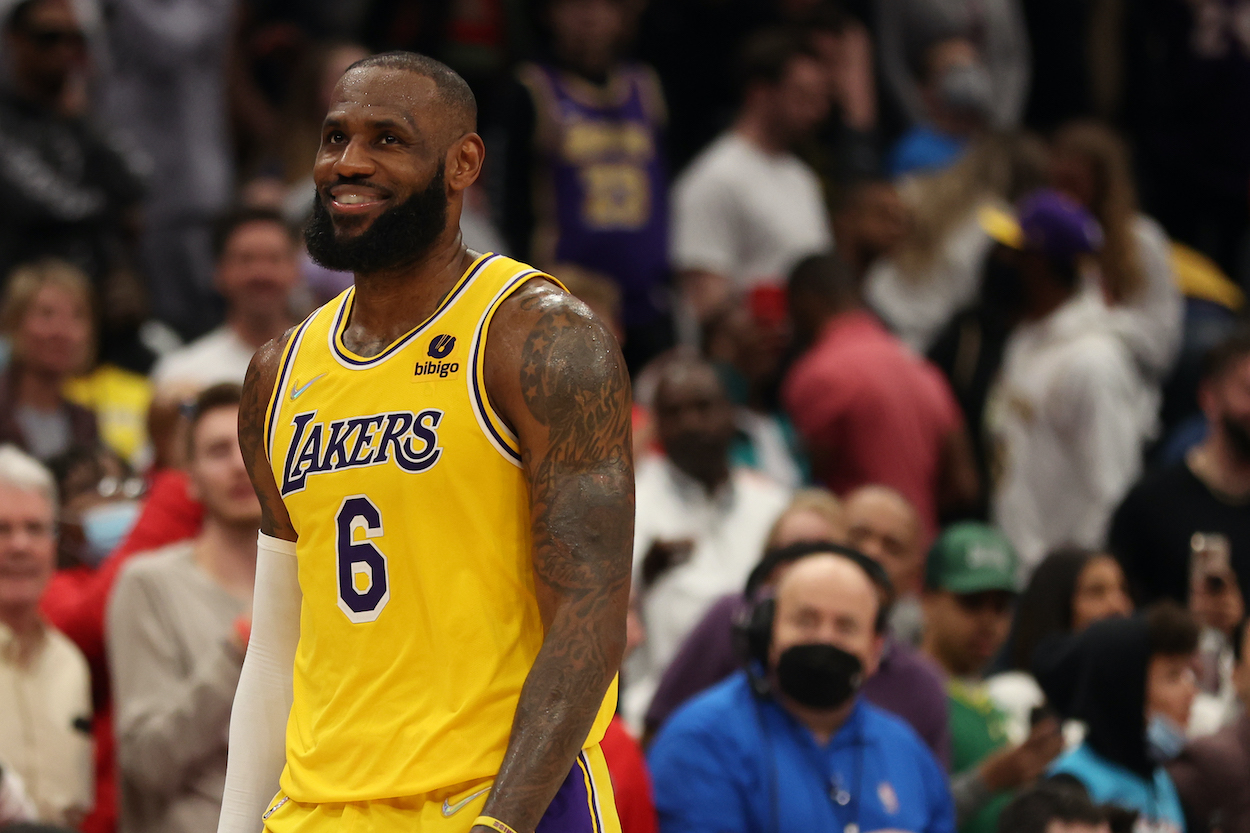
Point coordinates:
[[1012, 768]]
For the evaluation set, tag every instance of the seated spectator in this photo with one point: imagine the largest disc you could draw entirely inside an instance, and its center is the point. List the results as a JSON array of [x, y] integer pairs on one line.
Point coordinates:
[[709, 655], [701, 523], [73, 195], [45, 694], [1090, 164], [970, 583], [747, 209], [1134, 688], [1070, 590], [1066, 415], [768, 748], [1153, 531], [584, 179], [46, 315], [884, 526], [100, 500], [870, 410], [257, 271], [957, 92], [177, 631], [1211, 773], [1053, 807]]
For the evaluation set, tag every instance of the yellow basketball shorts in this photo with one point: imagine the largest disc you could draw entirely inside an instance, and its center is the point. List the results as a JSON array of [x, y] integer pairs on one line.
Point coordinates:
[[584, 804]]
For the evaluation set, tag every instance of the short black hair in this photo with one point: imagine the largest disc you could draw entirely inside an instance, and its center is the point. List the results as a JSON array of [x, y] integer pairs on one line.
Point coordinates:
[[1228, 352], [1034, 809], [452, 89], [1172, 630], [230, 222], [824, 276], [221, 395], [767, 55]]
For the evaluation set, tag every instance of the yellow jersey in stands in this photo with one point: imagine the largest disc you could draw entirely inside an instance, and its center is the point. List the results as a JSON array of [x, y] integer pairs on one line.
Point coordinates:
[[419, 621]]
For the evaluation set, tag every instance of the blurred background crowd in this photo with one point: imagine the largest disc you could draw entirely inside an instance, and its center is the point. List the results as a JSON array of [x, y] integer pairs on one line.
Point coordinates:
[[956, 285]]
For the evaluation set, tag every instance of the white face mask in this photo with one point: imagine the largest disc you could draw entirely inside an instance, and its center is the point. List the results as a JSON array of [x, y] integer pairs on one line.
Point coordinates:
[[1164, 738], [105, 527]]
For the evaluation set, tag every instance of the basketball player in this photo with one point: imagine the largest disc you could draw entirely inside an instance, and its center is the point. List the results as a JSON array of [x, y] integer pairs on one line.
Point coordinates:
[[442, 454]]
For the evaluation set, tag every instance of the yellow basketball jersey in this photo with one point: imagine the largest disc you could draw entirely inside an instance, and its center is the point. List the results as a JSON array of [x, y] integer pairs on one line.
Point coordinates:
[[419, 621]]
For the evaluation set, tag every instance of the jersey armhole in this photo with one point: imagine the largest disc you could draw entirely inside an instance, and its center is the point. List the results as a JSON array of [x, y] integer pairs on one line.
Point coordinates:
[[492, 424], [274, 407]]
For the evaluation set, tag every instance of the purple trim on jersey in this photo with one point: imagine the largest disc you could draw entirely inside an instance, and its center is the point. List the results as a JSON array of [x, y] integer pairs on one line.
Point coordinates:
[[573, 810]]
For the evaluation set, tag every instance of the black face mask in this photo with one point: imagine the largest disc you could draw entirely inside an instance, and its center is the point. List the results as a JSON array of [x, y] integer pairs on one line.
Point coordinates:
[[819, 675], [399, 236]]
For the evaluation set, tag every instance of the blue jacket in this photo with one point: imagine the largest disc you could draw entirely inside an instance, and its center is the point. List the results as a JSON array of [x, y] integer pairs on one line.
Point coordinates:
[[729, 762], [1110, 783]]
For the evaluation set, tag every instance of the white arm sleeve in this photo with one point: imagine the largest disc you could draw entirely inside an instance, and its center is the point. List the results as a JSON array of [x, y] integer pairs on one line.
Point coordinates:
[[263, 700]]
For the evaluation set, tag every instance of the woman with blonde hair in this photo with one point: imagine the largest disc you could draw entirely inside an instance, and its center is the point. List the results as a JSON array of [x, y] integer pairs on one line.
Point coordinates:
[[46, 315], [1090, 163]]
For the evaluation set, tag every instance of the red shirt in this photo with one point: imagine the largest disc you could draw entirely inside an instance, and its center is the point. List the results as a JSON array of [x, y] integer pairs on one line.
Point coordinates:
[[872, 411], [630, 782]]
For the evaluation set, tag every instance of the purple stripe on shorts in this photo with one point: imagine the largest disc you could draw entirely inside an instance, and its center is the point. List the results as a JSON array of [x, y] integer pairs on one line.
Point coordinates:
[[570, 811]]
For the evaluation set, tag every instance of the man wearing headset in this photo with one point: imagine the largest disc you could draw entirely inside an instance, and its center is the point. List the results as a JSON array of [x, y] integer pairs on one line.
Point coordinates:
[[789, 744]]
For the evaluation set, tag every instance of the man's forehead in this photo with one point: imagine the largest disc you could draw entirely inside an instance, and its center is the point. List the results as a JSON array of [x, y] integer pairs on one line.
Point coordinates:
[[384, 91], [813, 580]]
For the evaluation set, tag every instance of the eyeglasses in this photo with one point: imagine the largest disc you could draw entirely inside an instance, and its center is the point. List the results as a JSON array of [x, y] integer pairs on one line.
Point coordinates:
[[49, 39], [128, 487]]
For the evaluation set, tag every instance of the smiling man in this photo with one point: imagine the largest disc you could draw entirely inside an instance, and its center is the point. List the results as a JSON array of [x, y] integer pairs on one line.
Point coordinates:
[[443, 459]]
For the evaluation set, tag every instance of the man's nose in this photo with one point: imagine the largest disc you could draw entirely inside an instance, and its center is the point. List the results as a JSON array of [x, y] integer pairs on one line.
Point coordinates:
[[354, 161]]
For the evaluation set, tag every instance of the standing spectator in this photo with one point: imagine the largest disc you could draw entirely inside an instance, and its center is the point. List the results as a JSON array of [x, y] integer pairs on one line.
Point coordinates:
[[747, 209], [1066, 417], [769, 748], [163, 85], [957, 91], [45, 697], [584, 176], [907, 29], [1135, 685], [1211, 773], [1208, 493], [701, 523], [68, 192], [177, 630], [869, 409], [257, 270], [47, 316], [969, 589], [1090, 164]]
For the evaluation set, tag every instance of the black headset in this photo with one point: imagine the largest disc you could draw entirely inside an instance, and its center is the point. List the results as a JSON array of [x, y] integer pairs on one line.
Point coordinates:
[[753, 627]]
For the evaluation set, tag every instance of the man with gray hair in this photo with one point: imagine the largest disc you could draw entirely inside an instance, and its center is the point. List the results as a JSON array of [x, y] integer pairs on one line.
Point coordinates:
[[45, 693]]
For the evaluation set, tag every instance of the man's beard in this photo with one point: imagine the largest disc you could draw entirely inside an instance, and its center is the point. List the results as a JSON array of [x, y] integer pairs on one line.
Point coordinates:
[[1238, 438], [397, 237]]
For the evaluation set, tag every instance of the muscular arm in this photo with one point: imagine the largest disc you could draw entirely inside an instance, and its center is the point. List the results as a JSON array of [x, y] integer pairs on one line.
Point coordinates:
[[262, 701], [557, 375]]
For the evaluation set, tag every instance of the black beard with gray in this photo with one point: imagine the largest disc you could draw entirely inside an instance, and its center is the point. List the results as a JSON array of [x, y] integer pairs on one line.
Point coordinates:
[[397, 237]]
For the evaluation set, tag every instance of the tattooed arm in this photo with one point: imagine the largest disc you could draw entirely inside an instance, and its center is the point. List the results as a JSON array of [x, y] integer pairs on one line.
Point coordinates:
[[262, 701], [557, 375]]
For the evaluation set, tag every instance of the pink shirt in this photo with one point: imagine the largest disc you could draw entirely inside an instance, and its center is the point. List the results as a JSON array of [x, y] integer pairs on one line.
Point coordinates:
[[872, 411]]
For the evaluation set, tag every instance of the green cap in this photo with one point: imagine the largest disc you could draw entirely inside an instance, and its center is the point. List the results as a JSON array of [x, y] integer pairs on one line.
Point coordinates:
[[971, 558]]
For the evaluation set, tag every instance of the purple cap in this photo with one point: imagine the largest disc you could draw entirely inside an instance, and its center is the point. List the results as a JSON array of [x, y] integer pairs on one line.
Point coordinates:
[[1049, 222]]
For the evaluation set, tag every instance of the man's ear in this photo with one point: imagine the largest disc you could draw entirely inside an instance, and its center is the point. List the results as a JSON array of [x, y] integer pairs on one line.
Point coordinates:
[[464, 161], [874, 657]]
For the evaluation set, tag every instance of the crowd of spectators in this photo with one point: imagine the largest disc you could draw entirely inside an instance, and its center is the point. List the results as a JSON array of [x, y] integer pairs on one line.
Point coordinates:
[[935, 314]]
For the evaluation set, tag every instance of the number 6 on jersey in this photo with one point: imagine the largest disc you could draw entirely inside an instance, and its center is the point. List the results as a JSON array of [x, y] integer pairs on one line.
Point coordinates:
[[363, 586]]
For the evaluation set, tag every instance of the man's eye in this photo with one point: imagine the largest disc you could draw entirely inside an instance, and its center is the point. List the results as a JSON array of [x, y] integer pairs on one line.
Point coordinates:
[[388, 139], [334, 137]]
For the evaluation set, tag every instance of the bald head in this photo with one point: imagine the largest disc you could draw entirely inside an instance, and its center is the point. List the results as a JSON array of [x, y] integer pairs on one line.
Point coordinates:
[[884, 526], [827, 598]]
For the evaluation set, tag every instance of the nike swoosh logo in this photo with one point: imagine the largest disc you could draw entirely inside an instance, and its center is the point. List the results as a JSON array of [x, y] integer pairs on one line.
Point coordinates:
[[450, 810], [297, 392]]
